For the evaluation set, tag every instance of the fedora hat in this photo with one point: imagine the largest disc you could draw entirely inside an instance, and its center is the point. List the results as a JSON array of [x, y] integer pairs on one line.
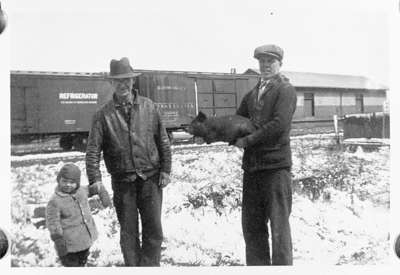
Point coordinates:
[[121, 69]]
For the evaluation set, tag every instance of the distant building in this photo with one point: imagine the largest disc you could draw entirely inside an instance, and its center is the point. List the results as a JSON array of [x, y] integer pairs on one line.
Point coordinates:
[[320, 96]]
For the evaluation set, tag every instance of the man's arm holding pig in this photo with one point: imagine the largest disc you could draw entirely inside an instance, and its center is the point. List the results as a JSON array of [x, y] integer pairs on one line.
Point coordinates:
[[281, 120]]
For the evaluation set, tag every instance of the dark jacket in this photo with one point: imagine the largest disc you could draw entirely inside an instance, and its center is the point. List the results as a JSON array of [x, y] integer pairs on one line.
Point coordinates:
[[138, 144], [70, 222], [269, 146]]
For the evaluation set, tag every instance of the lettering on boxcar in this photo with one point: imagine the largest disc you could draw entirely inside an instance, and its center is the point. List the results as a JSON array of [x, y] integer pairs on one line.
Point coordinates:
[[78, 98], [170, 88], [163, 105], [69, 121], [169, 116]]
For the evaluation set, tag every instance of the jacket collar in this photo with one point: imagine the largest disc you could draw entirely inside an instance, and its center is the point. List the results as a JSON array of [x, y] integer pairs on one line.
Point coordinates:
[[62, 194], [133, 100], [272, 81]]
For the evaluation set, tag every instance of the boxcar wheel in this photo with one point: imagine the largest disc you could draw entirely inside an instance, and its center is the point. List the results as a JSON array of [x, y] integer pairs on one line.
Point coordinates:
[[66, 143]]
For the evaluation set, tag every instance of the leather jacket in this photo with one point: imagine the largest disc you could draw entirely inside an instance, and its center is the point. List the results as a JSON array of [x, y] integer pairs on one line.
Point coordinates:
[[136, 144]]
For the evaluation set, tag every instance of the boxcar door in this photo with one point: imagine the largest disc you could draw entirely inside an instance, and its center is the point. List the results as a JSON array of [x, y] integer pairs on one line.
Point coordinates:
[[24, 110], [205, 96], [18, 110], [173, 94], [217, 96], [225, 97], [32, 101]]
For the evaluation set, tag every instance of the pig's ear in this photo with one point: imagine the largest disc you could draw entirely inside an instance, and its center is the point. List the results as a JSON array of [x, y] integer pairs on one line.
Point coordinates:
[[201, 116]]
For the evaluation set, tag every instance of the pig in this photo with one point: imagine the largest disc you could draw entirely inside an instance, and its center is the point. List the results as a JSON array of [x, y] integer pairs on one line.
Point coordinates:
[[225, 128]]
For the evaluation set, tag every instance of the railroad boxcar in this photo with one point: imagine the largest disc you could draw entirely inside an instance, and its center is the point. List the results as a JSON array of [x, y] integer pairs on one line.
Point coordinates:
[[46, 103], [55, 103], [180, 95]]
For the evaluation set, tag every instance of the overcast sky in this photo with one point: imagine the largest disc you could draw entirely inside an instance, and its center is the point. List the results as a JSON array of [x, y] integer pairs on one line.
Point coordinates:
[[342, 36]]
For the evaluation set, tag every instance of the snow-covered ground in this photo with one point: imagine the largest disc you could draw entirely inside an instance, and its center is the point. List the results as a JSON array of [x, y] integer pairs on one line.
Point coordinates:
[[340, 208]]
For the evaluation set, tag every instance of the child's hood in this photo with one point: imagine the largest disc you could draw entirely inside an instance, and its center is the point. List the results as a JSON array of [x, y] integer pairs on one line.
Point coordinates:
[[72, 172]]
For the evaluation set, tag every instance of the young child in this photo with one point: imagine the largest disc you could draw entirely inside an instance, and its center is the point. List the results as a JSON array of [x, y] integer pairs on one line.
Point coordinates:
[[68, 217]]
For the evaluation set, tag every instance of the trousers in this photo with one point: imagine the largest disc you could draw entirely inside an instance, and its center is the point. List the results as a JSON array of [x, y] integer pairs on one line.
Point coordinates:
[[267, 198], [144, 198], [75, 259]]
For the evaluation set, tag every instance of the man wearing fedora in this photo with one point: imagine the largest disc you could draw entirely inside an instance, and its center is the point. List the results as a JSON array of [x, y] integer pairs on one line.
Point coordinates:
[[136, 150], [267, 194]]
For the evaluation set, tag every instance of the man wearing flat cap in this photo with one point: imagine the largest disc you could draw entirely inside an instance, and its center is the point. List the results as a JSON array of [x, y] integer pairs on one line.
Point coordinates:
[[267, 194], [136, 150]]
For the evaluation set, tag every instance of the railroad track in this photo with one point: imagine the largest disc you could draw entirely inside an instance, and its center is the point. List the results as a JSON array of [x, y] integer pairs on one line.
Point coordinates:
[[48, 151], [44, 159], [29, 159]]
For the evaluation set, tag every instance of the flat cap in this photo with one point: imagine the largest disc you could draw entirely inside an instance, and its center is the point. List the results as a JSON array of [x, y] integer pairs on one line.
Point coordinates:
[[272, 50]]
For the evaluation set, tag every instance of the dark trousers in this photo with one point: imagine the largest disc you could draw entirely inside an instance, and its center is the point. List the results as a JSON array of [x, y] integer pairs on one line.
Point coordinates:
[[267, 197], [142, 197], [75, 258]]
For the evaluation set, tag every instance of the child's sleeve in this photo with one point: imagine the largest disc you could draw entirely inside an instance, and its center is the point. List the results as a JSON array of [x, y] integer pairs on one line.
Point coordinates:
[[54, 225]]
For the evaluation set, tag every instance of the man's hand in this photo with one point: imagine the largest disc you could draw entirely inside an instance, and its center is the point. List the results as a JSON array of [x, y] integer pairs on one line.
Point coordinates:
[[98, 188], [164, 179], [94, 188], [241, 142]]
